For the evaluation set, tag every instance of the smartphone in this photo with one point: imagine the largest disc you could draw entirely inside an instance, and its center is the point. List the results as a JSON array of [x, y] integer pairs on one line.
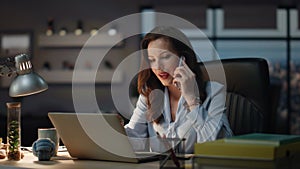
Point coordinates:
[[179, 64]]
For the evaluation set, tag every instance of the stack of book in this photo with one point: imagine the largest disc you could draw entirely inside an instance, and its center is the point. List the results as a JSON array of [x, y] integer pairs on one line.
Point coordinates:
[[258, 146]]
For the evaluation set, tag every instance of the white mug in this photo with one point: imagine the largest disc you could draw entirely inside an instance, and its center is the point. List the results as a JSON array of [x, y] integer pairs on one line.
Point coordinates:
[[50, 133]]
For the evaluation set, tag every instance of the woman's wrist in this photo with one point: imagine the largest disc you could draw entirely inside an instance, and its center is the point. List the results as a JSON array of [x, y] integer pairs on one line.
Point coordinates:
[[196, 101]]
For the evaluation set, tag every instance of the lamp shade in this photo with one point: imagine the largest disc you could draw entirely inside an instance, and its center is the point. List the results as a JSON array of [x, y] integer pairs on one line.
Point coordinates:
[[26, 82]]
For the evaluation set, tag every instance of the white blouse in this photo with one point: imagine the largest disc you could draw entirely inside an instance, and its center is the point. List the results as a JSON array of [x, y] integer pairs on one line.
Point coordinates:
[[203, 123]]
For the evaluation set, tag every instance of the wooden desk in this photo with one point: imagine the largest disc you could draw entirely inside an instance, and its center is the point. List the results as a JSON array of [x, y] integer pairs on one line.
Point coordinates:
[[63, 161]]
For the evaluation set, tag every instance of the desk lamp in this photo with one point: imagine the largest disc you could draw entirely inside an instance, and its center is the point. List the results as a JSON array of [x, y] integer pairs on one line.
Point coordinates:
[[25, 83]]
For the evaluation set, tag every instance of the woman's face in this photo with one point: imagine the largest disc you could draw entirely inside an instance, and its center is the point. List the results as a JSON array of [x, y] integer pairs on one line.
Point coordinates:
[[163, 60]]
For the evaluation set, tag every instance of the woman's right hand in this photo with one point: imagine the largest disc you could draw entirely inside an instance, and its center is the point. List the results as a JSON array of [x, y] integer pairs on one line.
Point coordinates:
[[188, 84]]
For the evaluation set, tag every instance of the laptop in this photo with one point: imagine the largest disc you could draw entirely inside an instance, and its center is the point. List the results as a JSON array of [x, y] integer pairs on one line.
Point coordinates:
[[96, 136]]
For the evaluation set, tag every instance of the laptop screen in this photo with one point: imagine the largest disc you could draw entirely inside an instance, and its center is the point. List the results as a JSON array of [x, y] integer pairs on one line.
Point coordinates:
[[93, 136]]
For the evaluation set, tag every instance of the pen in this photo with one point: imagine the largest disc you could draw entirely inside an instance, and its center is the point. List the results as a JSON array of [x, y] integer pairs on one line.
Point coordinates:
[[170, 150], [179, 64]]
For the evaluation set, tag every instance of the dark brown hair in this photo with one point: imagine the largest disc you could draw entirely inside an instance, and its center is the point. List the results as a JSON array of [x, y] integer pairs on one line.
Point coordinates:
[[147, 81]]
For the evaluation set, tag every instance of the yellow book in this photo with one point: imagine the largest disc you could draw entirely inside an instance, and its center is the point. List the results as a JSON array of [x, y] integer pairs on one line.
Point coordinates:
[[264, 138], [222, 149]]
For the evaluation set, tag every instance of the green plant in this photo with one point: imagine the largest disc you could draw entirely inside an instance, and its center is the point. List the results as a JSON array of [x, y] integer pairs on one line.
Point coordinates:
[[14, 152]]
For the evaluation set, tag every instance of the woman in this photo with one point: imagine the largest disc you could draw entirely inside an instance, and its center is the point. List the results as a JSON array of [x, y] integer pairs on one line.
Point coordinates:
[[174, 100]]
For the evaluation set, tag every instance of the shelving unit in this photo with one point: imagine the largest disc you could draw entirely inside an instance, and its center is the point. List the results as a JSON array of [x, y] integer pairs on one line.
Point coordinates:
[[278, 32], [86, 40], [66, 77], [86, 76], [294, 30], [59, 44]]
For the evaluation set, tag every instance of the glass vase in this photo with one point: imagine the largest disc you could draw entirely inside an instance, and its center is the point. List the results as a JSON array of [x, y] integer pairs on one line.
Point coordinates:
[[14, 130]]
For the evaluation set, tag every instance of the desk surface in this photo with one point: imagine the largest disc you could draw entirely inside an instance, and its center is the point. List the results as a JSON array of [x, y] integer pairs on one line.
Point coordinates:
[[63, 161]]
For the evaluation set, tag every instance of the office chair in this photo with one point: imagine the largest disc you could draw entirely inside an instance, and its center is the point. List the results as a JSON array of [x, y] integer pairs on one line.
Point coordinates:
[[247, 98]]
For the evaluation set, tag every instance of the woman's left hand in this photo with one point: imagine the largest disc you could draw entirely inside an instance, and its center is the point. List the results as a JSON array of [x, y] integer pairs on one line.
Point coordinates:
[[186, 80]]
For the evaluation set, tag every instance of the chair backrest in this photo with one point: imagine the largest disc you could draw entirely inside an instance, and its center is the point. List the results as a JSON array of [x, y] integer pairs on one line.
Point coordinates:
[[247, 83]]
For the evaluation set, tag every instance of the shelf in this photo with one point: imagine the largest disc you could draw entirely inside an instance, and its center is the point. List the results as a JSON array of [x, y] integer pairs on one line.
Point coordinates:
[[86, 76], [149, 21], [71, 40], [66, 77], [278, 32], [294, 28], [198, 33]]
